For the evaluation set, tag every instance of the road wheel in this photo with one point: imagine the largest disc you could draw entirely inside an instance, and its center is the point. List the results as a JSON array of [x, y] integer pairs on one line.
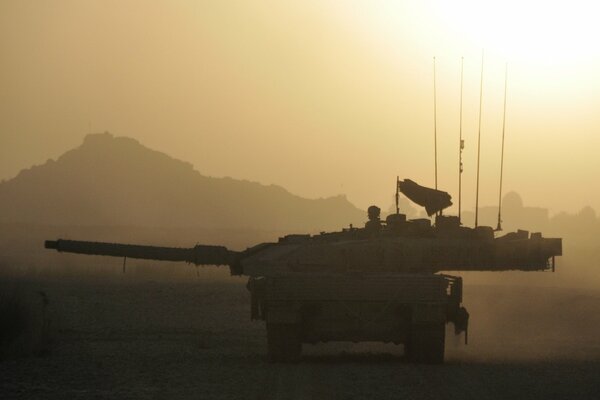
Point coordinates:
[[284, 344], [426, 344]]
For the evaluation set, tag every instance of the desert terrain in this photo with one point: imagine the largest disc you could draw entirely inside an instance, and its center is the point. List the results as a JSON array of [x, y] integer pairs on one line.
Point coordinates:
[[172, 330], [133, 336]]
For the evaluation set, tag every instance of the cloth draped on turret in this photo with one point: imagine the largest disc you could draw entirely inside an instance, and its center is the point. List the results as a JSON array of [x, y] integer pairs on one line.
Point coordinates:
[[433, 200]]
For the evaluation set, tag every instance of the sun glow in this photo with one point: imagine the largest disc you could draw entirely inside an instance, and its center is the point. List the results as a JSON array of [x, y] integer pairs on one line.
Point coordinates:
[[548, 32]]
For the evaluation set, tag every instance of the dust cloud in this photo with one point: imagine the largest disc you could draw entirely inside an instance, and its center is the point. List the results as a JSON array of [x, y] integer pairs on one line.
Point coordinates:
[[174, 330], [515, 316]]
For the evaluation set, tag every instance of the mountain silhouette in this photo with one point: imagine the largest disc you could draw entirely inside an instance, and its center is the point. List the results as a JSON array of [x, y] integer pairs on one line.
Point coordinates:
[[116, 181]]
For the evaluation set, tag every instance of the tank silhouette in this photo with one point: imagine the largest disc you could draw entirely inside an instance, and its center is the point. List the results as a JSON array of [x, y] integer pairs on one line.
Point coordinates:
[[382, 282]]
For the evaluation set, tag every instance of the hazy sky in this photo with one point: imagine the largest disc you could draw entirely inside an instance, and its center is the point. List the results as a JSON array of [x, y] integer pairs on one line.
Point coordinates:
[[321, 97]]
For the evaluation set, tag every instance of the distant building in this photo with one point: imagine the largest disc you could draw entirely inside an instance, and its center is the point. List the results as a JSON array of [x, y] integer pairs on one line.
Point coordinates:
[[514, 215]]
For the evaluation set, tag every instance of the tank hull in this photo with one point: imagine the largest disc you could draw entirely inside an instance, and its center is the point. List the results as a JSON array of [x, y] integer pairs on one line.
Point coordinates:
[[408, 309]]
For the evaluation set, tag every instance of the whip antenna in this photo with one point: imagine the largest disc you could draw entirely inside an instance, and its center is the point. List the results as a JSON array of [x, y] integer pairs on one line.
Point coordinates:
[[499, 227], [435, 125], [461, 142], [479, 143]]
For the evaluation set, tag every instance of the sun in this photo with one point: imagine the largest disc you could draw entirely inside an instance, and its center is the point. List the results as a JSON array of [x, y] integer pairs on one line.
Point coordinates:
[[548, 32]]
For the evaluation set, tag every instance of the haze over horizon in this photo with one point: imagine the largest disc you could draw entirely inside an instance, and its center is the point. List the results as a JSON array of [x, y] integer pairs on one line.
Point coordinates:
[[319, 98]]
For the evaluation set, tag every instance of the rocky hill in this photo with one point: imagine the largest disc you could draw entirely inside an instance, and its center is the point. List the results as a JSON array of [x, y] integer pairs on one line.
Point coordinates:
[[116, 181]]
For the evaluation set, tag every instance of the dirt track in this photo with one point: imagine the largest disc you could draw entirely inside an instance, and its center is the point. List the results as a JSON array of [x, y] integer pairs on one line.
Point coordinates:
[[195, 340]]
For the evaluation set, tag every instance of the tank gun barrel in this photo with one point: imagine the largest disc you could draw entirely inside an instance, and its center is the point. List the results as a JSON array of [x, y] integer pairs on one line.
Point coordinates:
[[199, 254]]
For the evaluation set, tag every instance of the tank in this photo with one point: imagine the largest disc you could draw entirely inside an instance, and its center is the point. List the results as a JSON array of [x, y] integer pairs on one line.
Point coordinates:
[[381, 282]]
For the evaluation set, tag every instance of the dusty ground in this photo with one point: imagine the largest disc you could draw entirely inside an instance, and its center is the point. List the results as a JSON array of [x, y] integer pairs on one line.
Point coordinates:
[[194, 340]]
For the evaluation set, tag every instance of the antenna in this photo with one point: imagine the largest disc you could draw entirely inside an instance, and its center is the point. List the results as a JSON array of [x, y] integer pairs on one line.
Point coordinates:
[[499, 227], [479, 144], [461, 142], [435, 125]]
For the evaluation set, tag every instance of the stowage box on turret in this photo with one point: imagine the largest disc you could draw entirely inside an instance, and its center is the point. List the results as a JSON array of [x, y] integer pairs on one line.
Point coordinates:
[[382, 282]]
